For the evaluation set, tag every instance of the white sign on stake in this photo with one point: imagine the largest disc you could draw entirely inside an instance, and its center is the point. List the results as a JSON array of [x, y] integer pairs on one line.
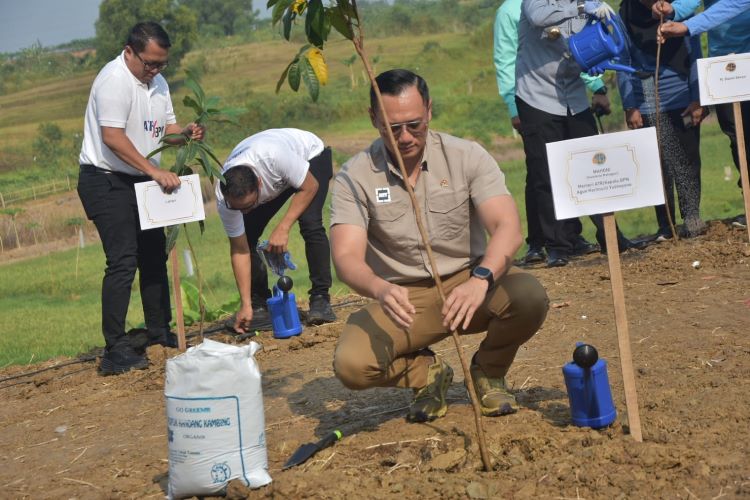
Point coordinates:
[[724, 79], [605, 173], [158, 209]]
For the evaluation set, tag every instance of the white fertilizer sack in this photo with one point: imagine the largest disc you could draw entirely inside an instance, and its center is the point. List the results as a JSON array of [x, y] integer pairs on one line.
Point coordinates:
[[215, 424]]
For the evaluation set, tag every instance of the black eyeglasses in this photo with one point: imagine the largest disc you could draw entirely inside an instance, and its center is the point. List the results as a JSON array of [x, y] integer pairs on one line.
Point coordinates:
[[241, 209], [415, 127], [149, 65]]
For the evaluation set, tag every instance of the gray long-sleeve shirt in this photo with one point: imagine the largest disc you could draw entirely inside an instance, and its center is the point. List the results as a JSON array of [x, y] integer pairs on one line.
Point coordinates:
[[547, 77]]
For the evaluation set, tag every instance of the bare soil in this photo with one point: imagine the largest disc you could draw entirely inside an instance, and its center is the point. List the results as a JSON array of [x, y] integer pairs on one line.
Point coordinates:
[[68, 433]]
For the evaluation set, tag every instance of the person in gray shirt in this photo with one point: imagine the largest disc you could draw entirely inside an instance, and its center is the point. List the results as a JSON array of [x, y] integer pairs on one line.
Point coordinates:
[[553, 106]]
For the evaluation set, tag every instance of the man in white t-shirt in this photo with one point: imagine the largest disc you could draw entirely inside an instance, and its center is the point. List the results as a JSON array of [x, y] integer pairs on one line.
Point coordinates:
[[262, 173], [128, 113]]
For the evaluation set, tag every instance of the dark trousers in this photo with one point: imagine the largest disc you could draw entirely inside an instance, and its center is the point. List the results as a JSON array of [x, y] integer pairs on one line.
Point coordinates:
[[680, 167], [317, 247], [725, 114], [109, 201], [540, 128]]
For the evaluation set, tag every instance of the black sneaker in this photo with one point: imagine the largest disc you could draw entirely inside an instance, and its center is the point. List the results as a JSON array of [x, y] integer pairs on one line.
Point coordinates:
[[320, 311], [121, 359], [740, 221], [163, 338], [261, 318], [533, 256]]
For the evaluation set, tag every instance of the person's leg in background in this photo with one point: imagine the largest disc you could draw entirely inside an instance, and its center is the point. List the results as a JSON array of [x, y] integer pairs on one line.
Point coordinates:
[[686, 172], [154, 286], [317, 246], [664, 231], [255, 223], [109, 201], [539, 128], [725, 114]]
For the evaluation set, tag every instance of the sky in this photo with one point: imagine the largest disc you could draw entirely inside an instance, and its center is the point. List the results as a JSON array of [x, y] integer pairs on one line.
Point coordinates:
[[52, 22]]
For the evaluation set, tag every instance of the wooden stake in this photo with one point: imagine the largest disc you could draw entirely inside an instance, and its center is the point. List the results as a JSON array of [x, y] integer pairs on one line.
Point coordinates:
[[739, 130], [181, 344], [621, 321]]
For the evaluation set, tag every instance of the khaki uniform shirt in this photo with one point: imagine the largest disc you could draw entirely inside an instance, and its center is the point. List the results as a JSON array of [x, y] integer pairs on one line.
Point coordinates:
[[456, 177]]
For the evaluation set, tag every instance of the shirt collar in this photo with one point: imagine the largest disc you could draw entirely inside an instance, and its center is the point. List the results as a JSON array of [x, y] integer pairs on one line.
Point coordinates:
[[121, 61]]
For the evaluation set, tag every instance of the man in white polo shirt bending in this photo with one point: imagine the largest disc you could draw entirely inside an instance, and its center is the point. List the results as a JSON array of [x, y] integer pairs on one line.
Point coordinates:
[[262, 173], [128, 112]]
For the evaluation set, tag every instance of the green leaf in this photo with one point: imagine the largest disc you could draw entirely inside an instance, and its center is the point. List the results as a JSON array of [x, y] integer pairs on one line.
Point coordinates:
[[172, 233], [340, 22], [205, 147], [271, 3], [279, 10], [283, 77], [190, 296], [160, 149], [294, 75], [190, 102], [197, 90], [203, 160], [213, 101], [315, 23], [287, 23], [310, 78], [180, 159]]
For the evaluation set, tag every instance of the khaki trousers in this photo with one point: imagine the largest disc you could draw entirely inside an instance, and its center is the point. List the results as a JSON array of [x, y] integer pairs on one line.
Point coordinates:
[[373, 352]]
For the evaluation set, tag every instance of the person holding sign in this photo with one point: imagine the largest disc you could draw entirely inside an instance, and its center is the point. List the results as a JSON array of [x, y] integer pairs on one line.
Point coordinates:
[[679, 109], [128, 113], [553, 106], [262, 173], [731, 37], [378, 252]]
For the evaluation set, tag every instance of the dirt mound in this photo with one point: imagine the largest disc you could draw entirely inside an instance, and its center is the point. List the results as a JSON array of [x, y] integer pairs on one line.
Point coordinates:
[[67, 432]]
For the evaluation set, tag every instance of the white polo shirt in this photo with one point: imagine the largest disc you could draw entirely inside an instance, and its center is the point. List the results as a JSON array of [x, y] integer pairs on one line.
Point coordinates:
[[279, 157], [118, 99]]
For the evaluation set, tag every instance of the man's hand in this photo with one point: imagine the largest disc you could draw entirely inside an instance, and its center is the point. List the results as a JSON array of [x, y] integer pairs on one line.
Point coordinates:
[[394, 300], [463, 302], [597, 9], [515, 122], [194, 131], [279, 240], [243, 319], [695, 111], [662, 10], [166, 179], [633, 118], [671, 29], [600, 104]]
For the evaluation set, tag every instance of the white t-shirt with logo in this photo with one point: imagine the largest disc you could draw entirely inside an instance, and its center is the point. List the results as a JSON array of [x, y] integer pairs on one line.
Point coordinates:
[[119, 100], [279, 157]]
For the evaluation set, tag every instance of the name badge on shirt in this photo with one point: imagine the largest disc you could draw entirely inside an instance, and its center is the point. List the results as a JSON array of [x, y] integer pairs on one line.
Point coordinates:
[[383, 195]]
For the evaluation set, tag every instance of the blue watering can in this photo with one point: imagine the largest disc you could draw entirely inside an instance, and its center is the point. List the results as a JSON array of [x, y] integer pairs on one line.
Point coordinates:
[[598, 45], [283, 309], [587, 383]]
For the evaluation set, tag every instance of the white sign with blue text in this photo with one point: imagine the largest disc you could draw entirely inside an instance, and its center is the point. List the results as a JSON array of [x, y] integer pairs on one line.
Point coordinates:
[[605, 173]]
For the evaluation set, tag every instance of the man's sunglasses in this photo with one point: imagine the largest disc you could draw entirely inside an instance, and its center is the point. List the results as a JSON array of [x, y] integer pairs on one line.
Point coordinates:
[[415, 127]]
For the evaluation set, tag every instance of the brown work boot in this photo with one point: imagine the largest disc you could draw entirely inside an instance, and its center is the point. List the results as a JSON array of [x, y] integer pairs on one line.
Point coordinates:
[[429, 401], [494, 397]]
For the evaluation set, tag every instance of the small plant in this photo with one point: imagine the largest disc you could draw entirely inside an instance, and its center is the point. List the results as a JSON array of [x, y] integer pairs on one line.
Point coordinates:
[[191, 153]]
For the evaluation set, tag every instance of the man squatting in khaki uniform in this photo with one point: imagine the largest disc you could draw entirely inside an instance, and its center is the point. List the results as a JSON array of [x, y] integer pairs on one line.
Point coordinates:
[[378, 252]]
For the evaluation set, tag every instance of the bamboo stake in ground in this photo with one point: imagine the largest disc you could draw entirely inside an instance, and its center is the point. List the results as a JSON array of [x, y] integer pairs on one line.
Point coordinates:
[[359, 47], [739, 129], [181, 344], [621, 321]]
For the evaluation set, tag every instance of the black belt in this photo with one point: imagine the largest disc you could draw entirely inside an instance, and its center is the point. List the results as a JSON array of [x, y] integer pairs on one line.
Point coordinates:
[[93, 169]]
